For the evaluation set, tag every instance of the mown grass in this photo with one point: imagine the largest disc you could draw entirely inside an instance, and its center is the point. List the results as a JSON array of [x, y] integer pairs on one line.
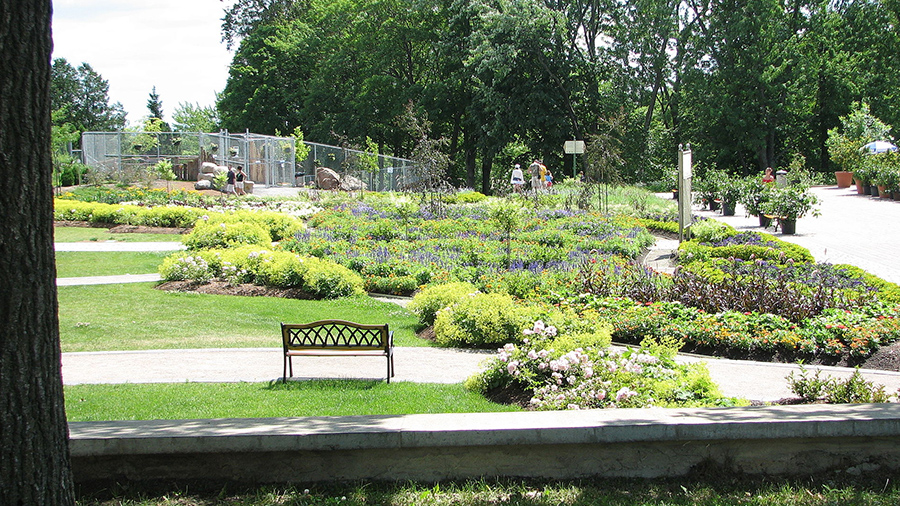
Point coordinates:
[[70, 264], [139, 317], [176, 401], [80, 234], [714, 490]]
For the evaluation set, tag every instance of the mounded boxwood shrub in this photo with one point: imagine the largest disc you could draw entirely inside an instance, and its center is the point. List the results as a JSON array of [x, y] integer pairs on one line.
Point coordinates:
[[429, 301], [219, 234], [481, 319], [280, 226], [329, 280]]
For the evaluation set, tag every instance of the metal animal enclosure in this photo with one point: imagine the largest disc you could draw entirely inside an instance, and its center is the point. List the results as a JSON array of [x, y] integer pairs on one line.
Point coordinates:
[[268, 160]]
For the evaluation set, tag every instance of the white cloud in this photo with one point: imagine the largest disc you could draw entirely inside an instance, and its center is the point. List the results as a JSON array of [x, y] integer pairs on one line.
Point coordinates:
[[174, 45]]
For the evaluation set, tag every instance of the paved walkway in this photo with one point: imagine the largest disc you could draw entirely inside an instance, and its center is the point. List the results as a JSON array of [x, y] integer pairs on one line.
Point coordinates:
[[852, 229], [846, 232]]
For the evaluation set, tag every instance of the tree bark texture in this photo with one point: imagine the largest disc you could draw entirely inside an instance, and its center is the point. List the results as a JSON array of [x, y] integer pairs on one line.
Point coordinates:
[[34, 452]]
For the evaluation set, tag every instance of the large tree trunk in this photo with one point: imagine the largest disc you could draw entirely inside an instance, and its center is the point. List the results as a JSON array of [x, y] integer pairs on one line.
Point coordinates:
[[34, 452]]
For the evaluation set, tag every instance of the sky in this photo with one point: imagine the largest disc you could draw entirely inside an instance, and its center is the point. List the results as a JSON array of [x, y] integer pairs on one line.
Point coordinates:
[[134, 45]]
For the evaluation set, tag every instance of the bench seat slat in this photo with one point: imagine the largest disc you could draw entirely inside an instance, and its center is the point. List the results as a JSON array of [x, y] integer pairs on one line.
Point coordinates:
[[337, 353]]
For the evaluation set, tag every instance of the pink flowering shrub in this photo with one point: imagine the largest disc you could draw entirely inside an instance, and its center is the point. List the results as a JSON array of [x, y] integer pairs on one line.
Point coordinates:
[[595, 376]]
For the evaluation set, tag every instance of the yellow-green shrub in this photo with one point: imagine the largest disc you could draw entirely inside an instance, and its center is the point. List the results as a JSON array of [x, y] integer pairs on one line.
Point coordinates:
[[281, 269], [429, 301], [327, 279], [280, 226], [167, 216], [211, 234], [481, 319]]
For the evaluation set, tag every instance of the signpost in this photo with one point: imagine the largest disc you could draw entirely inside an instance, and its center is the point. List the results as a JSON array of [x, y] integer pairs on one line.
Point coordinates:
[[574, 148], [684, 191]]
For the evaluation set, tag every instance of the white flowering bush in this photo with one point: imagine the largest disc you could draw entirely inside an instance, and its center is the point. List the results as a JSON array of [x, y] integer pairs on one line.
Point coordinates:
[[182, 267], [595, 376]]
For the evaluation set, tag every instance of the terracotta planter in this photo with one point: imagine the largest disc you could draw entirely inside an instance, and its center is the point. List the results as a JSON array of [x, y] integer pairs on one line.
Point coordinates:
[[883, 193], [844, 178], [860, 187]]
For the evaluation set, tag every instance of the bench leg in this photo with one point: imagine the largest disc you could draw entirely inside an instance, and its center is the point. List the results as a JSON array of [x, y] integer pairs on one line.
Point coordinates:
[[288, 363]]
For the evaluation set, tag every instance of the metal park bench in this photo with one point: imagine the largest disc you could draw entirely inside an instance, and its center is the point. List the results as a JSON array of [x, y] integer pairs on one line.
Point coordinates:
[[336, 338]]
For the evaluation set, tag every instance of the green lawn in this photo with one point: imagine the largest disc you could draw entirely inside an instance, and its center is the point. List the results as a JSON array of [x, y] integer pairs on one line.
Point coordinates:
[[176, 401], [79, 234], [139, 317], [70, 264]]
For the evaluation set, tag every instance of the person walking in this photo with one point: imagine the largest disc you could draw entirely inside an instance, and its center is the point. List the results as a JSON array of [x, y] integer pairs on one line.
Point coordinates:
[[518, 179], [229, 182], [534, 170], [239, 181]]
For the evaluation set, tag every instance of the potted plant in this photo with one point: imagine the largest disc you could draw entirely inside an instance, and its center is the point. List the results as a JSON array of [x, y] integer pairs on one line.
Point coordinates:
[[706, 190], [863, 176], [788, 204], [729, 193], [754, 193]]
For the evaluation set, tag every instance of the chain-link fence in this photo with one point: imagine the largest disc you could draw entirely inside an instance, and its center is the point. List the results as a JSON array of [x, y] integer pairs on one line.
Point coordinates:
[[376, 172], [268, 160], [128, 156]]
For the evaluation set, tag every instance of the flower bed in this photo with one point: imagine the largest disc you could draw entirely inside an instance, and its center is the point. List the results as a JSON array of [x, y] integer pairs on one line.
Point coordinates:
[[398, 254]]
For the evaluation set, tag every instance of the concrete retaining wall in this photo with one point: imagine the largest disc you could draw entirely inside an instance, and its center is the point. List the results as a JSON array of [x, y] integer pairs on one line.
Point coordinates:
[[780, 440]]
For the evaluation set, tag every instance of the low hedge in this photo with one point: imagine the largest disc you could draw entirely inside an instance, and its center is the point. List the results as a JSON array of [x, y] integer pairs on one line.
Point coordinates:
[[122, 214], [253, 264], [746, 246]]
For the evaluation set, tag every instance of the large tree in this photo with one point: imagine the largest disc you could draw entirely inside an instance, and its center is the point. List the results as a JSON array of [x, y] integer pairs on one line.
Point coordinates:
[[34, 453], [79, 97]]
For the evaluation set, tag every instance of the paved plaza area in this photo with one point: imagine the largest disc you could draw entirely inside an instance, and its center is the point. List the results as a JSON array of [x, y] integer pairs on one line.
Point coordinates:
[[852, 229]]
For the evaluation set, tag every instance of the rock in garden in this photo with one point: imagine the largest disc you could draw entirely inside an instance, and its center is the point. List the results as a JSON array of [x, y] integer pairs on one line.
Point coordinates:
[[207, 168], [327, 179], [350, 183], [203, 184]]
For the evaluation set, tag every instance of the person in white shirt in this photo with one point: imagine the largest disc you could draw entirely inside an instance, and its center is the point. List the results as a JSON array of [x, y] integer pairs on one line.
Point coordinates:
[[518, 178]]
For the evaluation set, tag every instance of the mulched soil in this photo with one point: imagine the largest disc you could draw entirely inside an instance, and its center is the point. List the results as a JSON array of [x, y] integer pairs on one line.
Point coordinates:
[[244, 289], [123, 229]]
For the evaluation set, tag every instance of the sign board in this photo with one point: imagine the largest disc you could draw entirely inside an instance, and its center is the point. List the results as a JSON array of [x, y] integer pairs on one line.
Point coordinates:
[[684, 191], [574, 147]]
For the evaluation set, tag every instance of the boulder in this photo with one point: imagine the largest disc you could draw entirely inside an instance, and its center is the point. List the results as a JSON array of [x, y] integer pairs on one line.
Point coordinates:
[[203, 184], [207, 168], [205, 177], [327, 179], [350, 183]]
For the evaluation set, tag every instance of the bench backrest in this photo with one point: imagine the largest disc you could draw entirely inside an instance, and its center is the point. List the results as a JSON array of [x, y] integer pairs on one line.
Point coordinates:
[[335, 335]]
